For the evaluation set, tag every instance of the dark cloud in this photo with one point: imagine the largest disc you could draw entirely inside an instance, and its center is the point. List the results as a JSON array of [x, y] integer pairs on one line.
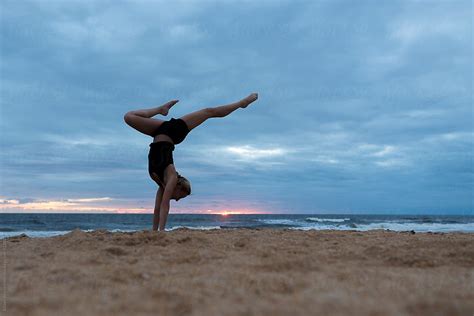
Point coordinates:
[[363, 108]]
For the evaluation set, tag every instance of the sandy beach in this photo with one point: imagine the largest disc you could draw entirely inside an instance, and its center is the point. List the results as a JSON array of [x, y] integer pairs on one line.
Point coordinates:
[[239, 272]]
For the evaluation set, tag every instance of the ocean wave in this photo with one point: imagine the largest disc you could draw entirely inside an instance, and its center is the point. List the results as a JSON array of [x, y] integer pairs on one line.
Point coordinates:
[[325, 227], [194, 227], [417, 227], [322, 220], [34, 233], [297, 224], [118, 230], [276, 222]]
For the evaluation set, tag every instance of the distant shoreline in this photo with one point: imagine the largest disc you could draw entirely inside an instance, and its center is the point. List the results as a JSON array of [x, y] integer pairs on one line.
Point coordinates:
[[44, 225], [62, 233]]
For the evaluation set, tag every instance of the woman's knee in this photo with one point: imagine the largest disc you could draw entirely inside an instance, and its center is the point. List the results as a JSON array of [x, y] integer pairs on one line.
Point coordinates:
[[128, 117]]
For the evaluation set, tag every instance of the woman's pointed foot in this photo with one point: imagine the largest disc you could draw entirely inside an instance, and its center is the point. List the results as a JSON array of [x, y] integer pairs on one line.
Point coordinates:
[[165, 108], [251, 98]]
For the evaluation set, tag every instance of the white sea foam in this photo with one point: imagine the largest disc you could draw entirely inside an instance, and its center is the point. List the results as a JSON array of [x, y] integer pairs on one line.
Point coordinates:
[[117, 230], [323, 227], [420, 227], [322, 220], [277, 221], [194, 227], [417, 227], [34, 233]]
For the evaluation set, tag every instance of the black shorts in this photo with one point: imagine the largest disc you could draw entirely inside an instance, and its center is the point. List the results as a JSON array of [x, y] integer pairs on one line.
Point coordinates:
[[176, 129]]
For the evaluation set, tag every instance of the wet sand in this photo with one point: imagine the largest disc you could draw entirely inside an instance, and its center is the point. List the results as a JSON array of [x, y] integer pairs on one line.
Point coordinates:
[[239, 272]]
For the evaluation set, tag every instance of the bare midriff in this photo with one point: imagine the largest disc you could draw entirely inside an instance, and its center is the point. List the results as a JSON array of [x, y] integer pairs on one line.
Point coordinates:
[[162, 137]]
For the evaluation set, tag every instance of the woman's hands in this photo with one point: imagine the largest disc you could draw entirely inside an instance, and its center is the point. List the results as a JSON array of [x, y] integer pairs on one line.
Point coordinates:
[[165, 202], [156, 213]]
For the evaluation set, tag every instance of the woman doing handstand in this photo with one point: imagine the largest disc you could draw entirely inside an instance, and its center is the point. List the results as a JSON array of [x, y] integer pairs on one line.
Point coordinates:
[[167, 134]]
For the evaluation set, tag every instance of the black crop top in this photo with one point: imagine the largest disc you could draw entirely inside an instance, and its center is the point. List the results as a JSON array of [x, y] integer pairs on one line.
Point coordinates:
[[159, 157], [176, 129]]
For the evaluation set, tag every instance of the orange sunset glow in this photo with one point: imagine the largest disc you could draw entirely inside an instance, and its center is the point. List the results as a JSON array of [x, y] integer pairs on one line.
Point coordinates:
[[226, 212], [107, 205]]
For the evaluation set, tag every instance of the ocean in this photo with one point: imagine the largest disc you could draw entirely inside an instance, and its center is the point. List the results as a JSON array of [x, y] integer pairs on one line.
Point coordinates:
[[51, 224]]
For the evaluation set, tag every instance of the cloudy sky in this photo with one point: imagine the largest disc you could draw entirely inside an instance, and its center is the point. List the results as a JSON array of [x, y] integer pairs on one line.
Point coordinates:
[[365, 107]]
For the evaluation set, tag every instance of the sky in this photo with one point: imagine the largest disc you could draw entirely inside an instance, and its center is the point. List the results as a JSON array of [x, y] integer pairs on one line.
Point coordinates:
[[364, 107]]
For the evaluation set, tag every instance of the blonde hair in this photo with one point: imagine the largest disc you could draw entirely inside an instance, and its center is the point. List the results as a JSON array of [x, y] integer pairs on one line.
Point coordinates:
[[184, 184]]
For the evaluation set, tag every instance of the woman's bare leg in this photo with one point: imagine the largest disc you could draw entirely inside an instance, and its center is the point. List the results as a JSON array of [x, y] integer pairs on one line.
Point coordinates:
[[141, 119], [162, 109], [196, 118]]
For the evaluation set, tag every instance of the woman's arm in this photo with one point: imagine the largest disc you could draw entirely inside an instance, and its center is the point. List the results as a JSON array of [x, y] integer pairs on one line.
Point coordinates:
[[156, 213], [165, 203]]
